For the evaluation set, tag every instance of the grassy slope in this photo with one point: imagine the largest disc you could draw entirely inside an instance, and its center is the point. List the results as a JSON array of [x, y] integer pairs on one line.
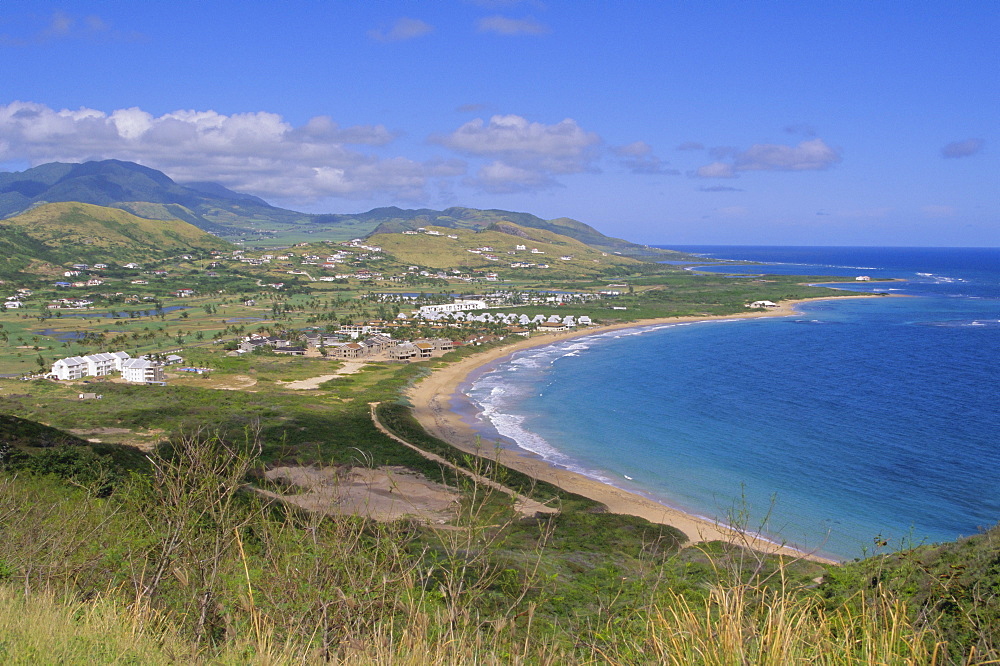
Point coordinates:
[[443, 252], [75, 232], [558, 590]]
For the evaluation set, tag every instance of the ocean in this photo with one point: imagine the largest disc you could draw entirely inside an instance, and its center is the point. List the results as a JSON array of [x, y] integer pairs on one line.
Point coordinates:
[[856, 423]]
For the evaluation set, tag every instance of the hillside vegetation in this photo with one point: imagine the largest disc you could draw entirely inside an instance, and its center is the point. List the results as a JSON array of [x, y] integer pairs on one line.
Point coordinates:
[[84, 233], [440, 251], [149, 193], [130, 186], [177, 561]]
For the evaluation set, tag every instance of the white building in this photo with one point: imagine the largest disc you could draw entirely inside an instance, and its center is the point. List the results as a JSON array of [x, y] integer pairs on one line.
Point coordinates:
[[72, 367], [141, 371], [457, 306], [99, 365], [94, 365]]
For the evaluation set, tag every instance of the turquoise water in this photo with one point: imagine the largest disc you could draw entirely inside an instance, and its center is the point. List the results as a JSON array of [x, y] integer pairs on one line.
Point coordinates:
[[857, 420]]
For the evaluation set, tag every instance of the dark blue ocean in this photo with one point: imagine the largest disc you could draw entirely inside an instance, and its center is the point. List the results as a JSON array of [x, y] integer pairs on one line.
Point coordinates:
[[858, 421]]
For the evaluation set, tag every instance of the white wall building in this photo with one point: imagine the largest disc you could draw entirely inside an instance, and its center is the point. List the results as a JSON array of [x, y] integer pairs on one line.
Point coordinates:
[[141, 371], [457, 306], [73, 367], [99, 365]]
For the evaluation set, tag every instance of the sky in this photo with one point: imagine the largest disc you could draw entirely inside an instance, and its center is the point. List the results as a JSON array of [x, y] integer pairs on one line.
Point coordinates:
[[740, 123]]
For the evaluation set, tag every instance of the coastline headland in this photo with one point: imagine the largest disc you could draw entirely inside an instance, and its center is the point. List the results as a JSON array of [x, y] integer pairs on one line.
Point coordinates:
[[431, 400]]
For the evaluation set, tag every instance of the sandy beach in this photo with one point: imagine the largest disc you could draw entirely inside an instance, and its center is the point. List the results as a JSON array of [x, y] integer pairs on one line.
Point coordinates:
[[431, 400]]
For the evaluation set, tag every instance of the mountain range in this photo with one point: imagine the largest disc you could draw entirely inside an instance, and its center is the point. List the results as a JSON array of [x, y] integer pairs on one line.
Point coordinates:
[[151, 194]]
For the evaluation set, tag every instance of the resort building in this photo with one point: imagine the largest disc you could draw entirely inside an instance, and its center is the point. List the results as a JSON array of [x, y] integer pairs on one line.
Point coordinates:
[[457, 306], [141, 371], [73, 367], [99, 365], [403, 352]]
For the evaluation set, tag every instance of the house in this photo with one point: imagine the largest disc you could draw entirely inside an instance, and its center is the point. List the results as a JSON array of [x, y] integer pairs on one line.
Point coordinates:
[[141, 371], [351, 350], [762, 304], [443, 344], [403, 352], [863, 278], [289, 350], [456, 306], [424, 348], [99, 365], [72, 367], [551, 326]]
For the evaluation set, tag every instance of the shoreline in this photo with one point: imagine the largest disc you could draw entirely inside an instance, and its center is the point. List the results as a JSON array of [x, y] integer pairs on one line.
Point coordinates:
[[431, 400]]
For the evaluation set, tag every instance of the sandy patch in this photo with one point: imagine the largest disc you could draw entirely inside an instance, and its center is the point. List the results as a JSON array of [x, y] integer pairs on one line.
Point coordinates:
[[233, 383], [349, 368], [101, 431], [144, 441], [386, 493]]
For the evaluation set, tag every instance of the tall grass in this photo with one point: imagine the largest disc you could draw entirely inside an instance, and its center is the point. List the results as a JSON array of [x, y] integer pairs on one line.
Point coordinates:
[[187, 567]]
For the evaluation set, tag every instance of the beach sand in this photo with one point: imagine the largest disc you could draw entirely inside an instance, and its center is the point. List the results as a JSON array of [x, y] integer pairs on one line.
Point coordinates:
[[431, 405]]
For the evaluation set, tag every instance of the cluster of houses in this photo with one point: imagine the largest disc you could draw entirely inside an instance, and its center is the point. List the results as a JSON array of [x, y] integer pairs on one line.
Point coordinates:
[[92, 282], [541, 322], [133, 370], [14, 302], [365, 341], [70, 304]]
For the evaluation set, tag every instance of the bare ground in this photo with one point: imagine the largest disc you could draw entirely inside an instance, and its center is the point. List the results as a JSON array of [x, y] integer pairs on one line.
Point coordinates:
[[385, 493]]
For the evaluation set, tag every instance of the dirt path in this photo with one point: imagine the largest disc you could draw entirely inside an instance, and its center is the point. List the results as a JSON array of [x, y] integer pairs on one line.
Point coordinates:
[[525, 505]]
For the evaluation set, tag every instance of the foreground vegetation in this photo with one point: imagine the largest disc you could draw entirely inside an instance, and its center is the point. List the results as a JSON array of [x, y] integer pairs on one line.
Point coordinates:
[[116, 557], [181, 562]]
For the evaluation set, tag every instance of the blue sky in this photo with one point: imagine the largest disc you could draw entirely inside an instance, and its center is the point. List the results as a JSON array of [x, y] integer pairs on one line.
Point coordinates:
[[837, 123]]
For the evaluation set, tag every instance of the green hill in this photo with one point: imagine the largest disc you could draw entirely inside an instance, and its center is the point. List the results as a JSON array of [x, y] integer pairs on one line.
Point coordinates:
[[140, 190], [395, 220], [151, 194], [61, 233], [438, 250]]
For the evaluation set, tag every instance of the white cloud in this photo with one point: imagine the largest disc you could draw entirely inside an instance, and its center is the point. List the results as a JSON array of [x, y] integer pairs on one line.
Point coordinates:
[[61, 26], [716, 170], [252, 152], [500, 178], [811, 155], [402, 30], [638, 158], [502, 25], [962, 148], [564, 147], [524, 152]]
